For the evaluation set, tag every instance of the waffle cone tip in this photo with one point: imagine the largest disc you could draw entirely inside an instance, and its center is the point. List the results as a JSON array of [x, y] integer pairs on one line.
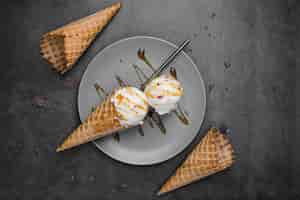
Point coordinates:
[[59, 149], [159, 193], [118, 4]]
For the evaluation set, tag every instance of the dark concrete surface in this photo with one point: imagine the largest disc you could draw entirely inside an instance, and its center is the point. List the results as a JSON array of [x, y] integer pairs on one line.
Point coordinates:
[[247, 53]]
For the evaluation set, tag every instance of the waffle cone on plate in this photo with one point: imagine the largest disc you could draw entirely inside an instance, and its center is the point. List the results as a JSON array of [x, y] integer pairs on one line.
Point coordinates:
[[214, 153], [103, 121], [63, 46]]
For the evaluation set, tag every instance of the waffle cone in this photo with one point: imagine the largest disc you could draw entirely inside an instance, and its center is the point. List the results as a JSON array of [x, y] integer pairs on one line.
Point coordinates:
[[63, 46], [214, 153], [103, 121]]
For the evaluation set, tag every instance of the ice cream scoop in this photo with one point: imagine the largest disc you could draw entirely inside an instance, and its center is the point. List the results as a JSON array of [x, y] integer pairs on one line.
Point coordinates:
[[163, 93], [131, 105]]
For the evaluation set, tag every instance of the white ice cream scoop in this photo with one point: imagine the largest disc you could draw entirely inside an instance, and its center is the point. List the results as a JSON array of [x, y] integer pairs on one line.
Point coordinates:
[[131, 105], [163, 93]]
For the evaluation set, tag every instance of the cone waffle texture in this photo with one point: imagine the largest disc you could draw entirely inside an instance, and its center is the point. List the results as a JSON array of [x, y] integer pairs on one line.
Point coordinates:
[[214, 153], [103, 121], [63, 46]]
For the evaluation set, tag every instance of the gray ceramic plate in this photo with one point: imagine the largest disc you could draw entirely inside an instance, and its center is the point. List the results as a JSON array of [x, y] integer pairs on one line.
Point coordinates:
[[153, 147]]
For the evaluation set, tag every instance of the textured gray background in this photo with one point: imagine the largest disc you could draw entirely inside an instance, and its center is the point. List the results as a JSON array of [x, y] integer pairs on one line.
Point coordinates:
[[255, 95]]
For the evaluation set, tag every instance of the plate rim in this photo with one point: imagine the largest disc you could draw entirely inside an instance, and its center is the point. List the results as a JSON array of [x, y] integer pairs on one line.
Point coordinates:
[[158, 161]]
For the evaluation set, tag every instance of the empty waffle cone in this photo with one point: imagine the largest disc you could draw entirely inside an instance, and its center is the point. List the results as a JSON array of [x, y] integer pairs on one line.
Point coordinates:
[[63, 46], [214, 153], [103, 121]]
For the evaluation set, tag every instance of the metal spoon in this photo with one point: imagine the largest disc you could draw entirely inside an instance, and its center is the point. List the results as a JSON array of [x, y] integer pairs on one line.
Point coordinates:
[[166, 63]]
